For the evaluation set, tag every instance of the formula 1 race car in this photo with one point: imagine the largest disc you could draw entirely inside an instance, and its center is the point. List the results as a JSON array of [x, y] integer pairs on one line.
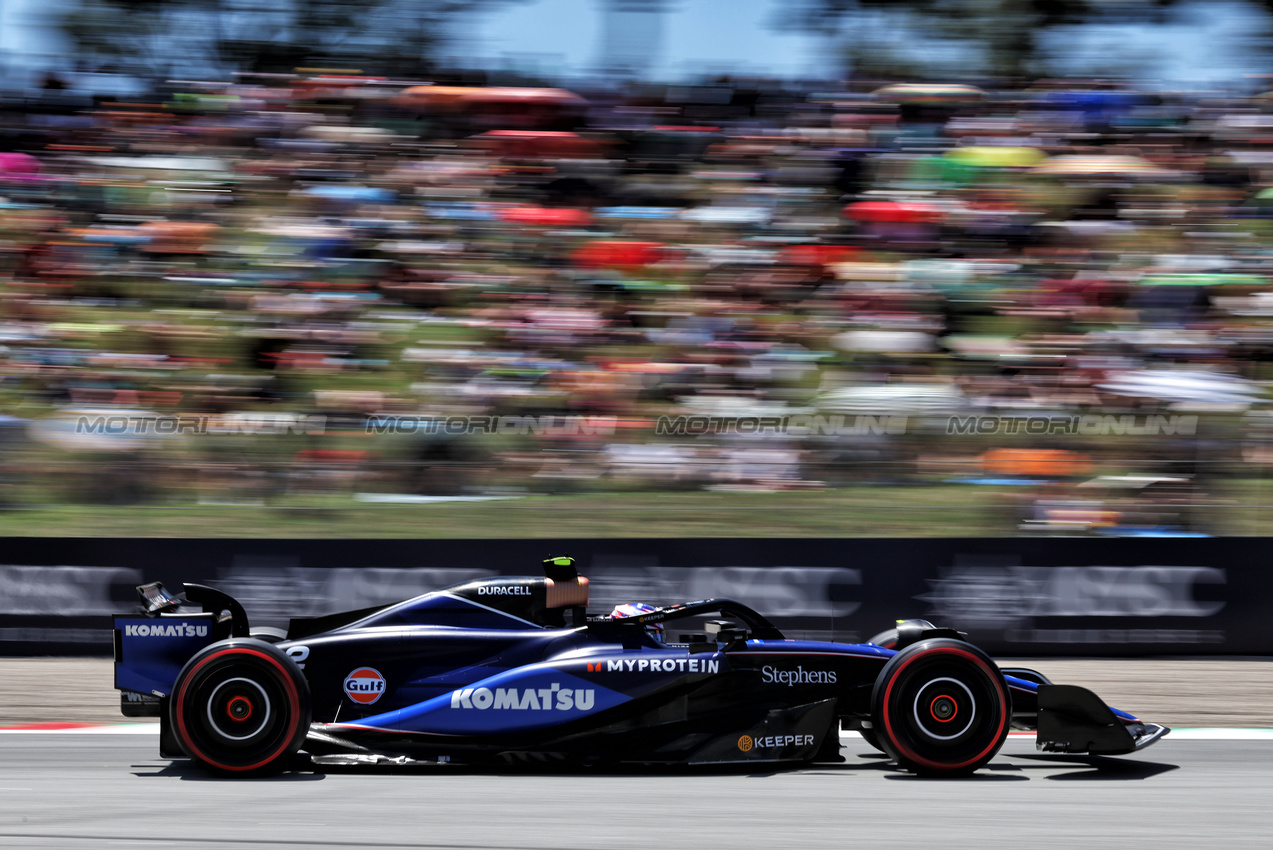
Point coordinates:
[[514, 669]]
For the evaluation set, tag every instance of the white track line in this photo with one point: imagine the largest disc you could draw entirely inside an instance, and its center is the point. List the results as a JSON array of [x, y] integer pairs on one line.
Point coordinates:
[[1216, 734], [1221, 734], [104, 729], [1212, 734]]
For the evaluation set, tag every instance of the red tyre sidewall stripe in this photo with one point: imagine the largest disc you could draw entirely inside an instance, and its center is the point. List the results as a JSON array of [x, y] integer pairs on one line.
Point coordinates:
[[910, 754], [293, 699]]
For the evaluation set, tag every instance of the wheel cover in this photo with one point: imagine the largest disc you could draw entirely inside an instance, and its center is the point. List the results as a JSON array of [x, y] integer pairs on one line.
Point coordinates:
[[230, 709], [936, 718]]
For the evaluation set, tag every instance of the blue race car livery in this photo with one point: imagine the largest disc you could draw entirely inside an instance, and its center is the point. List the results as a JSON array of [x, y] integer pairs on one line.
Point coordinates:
[[514, 668]]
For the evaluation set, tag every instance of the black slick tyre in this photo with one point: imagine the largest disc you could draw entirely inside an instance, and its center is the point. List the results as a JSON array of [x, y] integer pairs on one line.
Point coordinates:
[[941, 707], [240, 707]]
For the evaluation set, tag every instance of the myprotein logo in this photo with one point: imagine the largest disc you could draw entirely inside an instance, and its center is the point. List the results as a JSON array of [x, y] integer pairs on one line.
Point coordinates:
[[998, 597], [552, 698], [662, 665], [168, 630], [504, 590], [365, 685], [798, 676], [747, 743]]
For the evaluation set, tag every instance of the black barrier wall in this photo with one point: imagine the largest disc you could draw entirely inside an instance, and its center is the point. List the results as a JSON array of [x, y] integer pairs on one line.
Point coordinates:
[[1014, 596]]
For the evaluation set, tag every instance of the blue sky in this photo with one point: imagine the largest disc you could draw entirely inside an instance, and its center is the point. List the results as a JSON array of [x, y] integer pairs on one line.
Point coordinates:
[[696, 35], [1205, 45], [719, 36]]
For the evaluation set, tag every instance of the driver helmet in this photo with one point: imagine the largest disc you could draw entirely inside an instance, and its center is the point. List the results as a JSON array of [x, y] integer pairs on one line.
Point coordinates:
[[633, 609]]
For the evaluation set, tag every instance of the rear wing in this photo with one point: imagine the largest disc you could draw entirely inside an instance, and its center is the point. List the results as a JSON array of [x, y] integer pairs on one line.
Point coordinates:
[[153, 644]]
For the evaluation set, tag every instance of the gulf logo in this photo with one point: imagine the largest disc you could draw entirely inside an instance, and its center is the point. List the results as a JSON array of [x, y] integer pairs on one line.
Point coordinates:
[[365, 685]]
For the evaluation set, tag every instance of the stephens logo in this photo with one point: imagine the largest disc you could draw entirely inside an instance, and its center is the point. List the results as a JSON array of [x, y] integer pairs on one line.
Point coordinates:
[[553, 698], [504, 590], [169, 630], [365, 685], [799, 676], [745, 743]]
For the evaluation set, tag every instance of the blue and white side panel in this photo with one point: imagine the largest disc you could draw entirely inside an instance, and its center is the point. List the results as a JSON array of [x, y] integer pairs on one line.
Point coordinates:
[[540, 696]]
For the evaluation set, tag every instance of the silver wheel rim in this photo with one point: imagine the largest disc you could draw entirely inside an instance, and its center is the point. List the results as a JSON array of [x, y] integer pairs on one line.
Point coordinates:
[[265, 714], [972, 709]]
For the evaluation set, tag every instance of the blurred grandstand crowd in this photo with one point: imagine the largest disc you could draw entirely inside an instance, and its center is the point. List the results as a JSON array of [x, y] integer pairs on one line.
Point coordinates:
[[867, 286]]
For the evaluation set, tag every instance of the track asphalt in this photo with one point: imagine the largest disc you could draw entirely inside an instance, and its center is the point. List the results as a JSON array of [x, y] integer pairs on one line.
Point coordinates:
[[95, 791]]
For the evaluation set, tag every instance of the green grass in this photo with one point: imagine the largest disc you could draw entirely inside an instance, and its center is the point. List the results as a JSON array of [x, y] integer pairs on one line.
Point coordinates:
[[853, 512], [1242, 509]]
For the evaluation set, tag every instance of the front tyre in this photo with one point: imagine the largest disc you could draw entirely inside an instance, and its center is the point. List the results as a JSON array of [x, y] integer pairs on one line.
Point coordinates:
[[240, 707], [941, 707]]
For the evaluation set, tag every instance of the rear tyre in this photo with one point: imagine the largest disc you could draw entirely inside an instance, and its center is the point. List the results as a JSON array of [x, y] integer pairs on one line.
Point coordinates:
[[269, 634], [240, 707], [941, 707]]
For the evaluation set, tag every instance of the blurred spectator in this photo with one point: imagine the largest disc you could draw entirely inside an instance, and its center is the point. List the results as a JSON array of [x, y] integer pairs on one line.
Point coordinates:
[[301, 288]]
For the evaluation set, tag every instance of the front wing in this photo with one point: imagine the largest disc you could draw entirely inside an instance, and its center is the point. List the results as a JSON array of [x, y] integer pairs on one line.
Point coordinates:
[[1075, 720]]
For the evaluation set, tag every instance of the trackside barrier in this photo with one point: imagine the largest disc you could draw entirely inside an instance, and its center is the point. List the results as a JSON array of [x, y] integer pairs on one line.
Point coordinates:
[[1014, 596]]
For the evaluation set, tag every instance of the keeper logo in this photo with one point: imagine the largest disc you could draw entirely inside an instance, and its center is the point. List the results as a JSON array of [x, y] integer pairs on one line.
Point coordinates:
[[771, 742]]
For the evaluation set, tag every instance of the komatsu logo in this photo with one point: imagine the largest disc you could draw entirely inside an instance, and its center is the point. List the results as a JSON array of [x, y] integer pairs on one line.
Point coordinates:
[[799, 676], [170, 630], [504, 590], [662, 665], [552, 698]]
